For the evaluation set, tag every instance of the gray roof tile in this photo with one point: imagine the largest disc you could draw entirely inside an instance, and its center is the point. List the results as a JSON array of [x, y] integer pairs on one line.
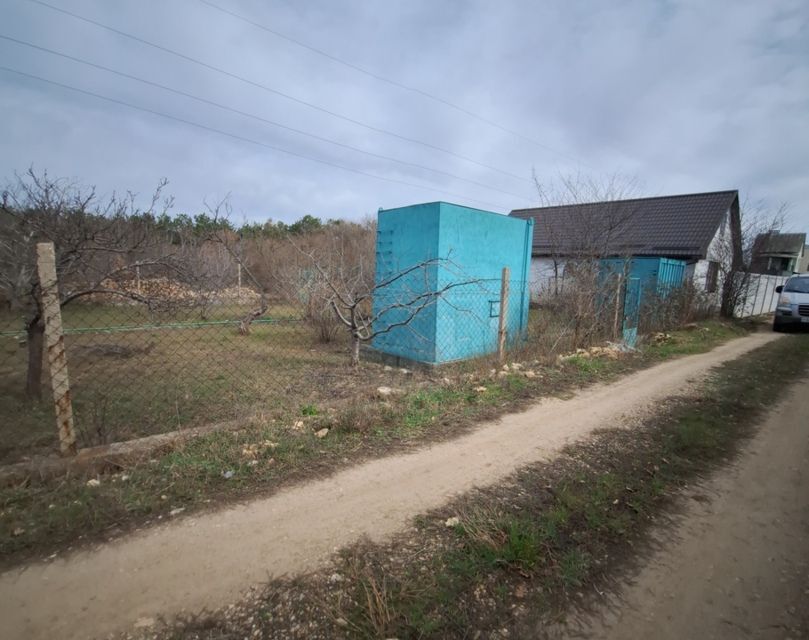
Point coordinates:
[[681, 225], [788, 244]]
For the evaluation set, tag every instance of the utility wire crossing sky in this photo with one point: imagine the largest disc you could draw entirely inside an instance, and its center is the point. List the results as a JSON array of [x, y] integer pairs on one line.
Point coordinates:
[[296, 108]]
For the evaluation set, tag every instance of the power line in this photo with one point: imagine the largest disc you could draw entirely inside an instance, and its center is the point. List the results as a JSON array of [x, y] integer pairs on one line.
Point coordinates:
[[275, 91], [243, 138], [387, 80], [250, 115]]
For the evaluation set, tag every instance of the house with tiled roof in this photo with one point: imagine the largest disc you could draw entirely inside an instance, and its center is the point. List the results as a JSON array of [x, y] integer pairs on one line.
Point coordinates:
[[779, 254], [702, 229]]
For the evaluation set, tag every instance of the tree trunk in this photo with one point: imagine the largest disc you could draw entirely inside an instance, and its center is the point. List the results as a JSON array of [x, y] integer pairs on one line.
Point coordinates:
[[244, 323], [33, 379], [355, 351], [727, 308], [616, 320], [555, 278]]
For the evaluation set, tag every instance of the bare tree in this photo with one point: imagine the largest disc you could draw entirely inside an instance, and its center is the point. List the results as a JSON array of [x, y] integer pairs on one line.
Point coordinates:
[[735, 255], [600, 228], [368, 308], [231, 242], [96, 240]]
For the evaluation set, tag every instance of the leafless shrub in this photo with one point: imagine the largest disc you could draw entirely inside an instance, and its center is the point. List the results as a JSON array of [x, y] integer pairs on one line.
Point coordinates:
[[588, 303], [666, 310], [318, 314], [342, 281]]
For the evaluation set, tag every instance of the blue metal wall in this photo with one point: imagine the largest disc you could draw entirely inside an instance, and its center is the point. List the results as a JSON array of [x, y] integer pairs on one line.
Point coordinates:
[[658, 276], [473, 246]]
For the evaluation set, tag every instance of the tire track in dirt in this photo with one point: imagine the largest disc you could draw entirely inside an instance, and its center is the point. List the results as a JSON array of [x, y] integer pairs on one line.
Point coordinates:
[[735, 563], [206, 561]]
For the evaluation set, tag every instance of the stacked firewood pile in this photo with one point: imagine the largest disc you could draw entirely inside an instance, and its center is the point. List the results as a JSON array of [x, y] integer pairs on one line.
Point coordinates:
[[167, 291]]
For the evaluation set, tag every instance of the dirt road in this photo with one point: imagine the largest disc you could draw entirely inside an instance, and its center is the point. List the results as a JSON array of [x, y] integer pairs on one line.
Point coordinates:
[[737, 564], [207, 560]]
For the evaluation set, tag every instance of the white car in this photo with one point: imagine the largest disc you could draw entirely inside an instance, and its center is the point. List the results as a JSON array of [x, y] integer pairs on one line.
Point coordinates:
[[793, 303]]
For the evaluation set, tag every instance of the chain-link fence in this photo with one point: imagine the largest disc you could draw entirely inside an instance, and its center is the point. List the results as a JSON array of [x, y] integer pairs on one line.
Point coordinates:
[[167, 358], [149, 352]]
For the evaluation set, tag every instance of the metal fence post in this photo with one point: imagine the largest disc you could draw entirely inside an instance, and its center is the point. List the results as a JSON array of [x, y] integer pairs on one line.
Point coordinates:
[[55, 346], [502, 326]]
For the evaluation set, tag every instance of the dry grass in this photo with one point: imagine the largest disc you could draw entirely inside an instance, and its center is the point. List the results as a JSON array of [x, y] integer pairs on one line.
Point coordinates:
[[525, 552], [138, 377], [38, 518]]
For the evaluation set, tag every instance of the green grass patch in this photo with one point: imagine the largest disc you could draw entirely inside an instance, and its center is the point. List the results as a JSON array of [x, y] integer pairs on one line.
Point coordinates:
[[39, 518], [521, 553], [695, 339]]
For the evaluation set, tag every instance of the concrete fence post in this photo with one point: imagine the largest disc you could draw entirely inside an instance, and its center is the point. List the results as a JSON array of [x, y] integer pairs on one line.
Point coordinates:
[[55, 347], [755, 298], [766, 297], [502, 325]]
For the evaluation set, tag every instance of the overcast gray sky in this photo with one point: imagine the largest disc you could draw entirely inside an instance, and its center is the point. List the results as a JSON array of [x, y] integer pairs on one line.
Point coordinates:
[[687, 95]]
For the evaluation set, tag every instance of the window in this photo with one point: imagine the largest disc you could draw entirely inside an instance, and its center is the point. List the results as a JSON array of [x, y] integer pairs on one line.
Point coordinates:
[[797, 285], [711, 277]]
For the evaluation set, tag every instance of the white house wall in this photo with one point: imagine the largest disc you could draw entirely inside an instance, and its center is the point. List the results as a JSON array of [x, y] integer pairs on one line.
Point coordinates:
[[721, 242], [717, 251], [543, 275]]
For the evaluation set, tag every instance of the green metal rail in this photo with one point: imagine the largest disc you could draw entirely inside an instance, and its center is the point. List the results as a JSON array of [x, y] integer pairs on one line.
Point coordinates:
[[155, 327]]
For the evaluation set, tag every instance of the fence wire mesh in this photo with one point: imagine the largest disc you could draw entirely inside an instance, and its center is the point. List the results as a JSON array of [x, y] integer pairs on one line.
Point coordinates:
[[151, 352], [155, 349]]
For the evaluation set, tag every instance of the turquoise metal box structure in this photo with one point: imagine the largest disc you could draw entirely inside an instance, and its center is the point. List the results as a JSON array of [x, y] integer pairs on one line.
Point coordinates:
[[459, 253]]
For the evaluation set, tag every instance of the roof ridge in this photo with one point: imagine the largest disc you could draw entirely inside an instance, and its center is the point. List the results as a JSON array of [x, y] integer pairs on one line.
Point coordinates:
[[676, 195]]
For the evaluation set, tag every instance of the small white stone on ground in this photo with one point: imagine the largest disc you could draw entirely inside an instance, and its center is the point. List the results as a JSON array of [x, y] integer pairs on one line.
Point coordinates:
[[322, 433], [144, 623], [454, 521]]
